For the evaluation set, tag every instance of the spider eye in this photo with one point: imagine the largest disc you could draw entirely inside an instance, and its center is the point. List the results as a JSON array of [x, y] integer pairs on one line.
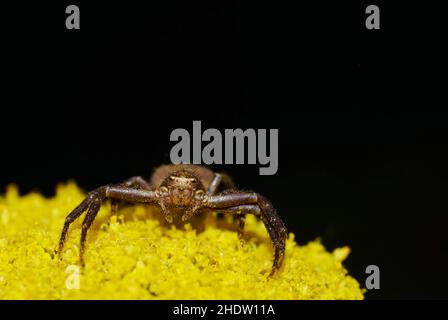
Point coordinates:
[[172, 178], [193, 180]]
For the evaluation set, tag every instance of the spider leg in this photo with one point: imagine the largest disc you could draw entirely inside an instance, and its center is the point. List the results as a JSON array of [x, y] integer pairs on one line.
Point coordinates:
[[278, 225], [229, 186], [136, 182], [214, 185], [88, 220], [72, 217], [257, 205], [220, 178], [242, 221], [92, 204], [114, 207]]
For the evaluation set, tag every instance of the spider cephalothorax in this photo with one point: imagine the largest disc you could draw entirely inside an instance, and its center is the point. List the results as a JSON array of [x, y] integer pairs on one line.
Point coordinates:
[[181, 191]]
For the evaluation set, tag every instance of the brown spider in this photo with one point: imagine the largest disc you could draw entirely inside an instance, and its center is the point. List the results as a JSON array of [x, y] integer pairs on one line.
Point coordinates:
[[182, 191]]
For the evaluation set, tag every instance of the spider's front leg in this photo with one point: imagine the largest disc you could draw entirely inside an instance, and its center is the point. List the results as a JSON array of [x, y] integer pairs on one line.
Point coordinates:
[[136, 182], [229, 187], [92, 204], [256, 204]]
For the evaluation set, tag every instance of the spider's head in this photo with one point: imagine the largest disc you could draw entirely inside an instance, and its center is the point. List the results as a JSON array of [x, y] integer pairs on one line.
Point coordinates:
[[181, 192]]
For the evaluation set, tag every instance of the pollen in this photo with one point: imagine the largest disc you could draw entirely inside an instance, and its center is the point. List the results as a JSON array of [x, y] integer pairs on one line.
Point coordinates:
[[135, 256]]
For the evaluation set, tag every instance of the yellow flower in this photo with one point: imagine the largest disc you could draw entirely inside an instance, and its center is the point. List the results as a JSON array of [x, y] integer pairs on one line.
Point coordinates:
[[137, 257]]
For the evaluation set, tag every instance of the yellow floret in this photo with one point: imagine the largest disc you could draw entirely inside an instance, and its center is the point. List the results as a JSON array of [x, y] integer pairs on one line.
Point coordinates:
[[135, 257]]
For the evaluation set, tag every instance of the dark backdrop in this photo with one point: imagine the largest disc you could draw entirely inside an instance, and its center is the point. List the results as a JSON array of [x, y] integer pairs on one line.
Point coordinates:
[[361, 114]]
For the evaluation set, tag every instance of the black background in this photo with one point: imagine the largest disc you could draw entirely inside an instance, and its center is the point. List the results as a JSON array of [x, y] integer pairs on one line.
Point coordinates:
[[361, 114]]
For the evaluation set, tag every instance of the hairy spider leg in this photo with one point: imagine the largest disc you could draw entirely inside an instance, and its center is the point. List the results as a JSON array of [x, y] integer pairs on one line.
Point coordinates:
[[229, 186], [256, 204], [92, 204], [136, 182]]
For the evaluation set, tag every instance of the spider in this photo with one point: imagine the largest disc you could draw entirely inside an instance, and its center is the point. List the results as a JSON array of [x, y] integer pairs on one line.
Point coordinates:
[[182, 191]]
